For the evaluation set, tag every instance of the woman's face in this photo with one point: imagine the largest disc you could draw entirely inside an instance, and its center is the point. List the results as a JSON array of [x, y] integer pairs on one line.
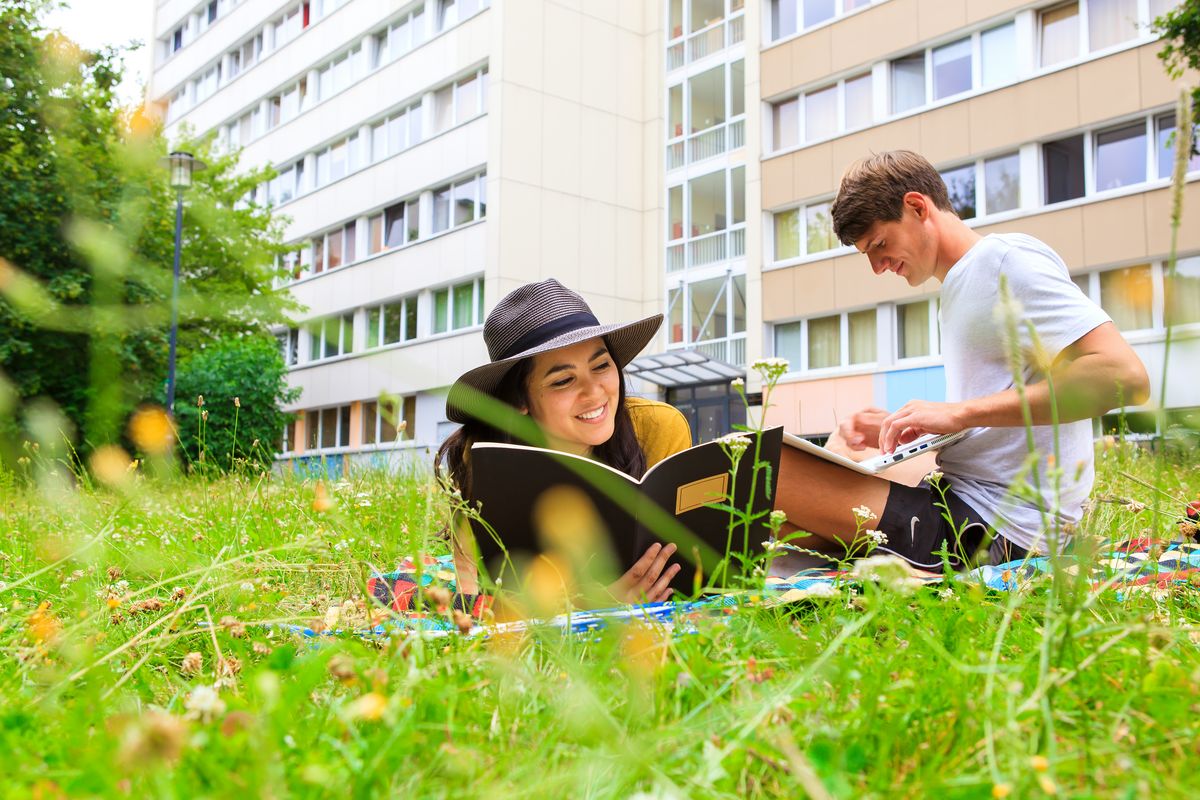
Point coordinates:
[[573, 395]]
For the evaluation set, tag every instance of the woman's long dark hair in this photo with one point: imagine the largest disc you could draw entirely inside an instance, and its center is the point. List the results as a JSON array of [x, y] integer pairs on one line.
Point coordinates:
[[622, 450]]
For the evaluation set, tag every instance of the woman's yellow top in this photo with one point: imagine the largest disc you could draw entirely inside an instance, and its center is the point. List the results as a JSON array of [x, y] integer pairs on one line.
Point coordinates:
[[662, 430]]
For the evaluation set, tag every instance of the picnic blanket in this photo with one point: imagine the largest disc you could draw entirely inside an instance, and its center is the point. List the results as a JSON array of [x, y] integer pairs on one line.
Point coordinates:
[[1126, 567]]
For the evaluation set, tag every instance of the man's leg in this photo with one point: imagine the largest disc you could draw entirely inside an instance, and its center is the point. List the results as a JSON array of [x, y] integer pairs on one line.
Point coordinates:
[[819, 497]]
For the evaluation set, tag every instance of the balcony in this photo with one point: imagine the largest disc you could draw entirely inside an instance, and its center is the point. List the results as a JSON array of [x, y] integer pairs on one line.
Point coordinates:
[[708, 249], [731, 351], [708, 143], [706, 41]]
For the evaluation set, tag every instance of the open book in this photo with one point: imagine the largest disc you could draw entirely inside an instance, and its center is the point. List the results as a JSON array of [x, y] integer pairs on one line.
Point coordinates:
[[876, 465], [672, 502]]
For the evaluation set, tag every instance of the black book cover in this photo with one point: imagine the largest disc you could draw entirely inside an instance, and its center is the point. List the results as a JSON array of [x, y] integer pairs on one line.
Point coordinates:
[[513, 489]]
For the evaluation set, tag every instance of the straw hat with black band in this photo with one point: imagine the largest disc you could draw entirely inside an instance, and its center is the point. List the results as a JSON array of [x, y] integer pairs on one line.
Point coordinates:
[[537, 318]]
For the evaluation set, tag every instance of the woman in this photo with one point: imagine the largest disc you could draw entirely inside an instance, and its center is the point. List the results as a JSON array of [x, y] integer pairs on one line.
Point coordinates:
[[553, 361]]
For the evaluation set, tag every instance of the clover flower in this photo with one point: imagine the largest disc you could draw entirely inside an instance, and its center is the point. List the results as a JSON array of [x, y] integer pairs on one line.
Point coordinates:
[[204, 704]]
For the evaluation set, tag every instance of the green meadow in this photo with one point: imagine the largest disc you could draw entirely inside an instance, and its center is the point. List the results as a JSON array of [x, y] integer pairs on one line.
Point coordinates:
[[146, 653]]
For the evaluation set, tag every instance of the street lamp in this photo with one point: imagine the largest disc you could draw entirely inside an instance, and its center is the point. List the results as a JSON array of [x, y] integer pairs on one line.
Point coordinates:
[[181, 166]]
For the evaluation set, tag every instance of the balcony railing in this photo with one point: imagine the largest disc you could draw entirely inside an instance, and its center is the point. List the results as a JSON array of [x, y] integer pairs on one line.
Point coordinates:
[[705, 42], [675, 151], [731, 351], [707, 144], [707, 249], [675, 58]]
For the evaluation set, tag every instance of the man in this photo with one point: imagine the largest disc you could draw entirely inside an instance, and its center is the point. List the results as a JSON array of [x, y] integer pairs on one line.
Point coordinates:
[[894, 208]]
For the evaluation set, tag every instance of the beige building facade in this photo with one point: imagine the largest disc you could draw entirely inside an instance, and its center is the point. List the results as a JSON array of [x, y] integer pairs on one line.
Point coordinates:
[[1052, 119]]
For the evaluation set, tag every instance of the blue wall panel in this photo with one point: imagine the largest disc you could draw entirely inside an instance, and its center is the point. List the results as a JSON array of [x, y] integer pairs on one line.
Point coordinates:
[[926, 383]]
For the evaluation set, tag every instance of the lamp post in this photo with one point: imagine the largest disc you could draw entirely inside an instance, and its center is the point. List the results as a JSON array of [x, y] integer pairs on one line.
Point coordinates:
[[181, 166]]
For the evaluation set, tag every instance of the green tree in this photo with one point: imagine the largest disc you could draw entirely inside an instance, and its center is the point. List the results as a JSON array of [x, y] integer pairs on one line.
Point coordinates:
[[1180, 32], [243, 382], [87, 231]]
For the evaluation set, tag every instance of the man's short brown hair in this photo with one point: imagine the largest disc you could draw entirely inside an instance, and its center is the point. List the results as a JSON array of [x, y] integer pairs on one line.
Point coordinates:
[[873, 189]]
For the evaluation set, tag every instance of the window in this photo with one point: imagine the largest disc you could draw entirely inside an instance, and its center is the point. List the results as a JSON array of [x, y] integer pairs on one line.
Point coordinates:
[[706, 196], [466, 97], [447, 14], [817, 11], [397, 223], [787, 234], [1060, 34], [960, 185], [908, 82], [1111, 22], [838, 340], [375, 230], [818, 228], [1062, 161], [1128, 297], [824, 342], [289, 346], [715, 309], [916, 330], [862, 336], [1002, 183], [952, 69], [998, 55], [858, 104], [675, 213], [330, 337], [1165, 132], [458, 307], [327, 428], [820, 114], [707, 99], [337, 161], [816, 237], [1121, 156], [392, 322], [382, 418], [786, 123], [334, 248], [441, 209], [443, 108], [1182, 293], [783, 18]]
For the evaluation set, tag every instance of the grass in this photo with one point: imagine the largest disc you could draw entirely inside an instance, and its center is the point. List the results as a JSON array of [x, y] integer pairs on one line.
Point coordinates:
[[879, 692]]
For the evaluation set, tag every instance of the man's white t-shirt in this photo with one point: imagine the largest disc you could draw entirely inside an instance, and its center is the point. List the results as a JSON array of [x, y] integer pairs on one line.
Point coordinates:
[[986, 466]]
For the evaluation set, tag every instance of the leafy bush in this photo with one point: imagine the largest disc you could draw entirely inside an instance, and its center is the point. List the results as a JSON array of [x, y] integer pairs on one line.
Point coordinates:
[[243, 384]]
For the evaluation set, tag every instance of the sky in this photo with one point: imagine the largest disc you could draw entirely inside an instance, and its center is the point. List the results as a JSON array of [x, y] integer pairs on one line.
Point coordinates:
[[95, 23]]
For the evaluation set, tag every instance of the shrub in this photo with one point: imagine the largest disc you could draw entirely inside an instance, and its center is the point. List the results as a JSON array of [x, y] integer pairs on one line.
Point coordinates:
[[243, 383]]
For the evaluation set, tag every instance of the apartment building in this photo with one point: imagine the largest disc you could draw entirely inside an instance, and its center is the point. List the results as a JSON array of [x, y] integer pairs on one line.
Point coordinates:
[[1048, 118], [432, 156], [708, 240]]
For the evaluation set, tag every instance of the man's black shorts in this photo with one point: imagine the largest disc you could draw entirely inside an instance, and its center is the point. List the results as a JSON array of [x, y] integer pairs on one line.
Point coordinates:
[[915, 522]]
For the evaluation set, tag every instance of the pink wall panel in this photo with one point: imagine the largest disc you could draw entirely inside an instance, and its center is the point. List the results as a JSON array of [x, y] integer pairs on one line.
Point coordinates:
[[814, 407]]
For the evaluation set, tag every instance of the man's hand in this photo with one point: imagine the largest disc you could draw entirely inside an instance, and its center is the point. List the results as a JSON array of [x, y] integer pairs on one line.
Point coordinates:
[[647, 581], [861, 430], [919, 417]]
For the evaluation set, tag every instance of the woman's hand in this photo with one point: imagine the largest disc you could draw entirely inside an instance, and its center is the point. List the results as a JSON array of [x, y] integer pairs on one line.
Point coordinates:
[[647, 581]]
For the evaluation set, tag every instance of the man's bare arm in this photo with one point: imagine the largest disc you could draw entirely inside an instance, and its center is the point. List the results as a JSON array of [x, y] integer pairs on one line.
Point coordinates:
[[1095, 374]]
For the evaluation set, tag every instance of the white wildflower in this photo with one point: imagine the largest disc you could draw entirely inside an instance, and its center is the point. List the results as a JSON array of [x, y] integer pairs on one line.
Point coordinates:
[[876, 537], [934, 477], [776, 520], [947, 593], [247, 587], [204, 704], [862, 514], [737, 383], [771, 544]]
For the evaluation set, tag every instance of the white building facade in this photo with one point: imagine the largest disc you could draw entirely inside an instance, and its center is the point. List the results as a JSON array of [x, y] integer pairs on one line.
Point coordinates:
[[432, 156]]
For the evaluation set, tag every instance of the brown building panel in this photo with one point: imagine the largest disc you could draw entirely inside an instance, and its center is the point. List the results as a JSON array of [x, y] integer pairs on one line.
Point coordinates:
[[1129, 229], [980, 125], [858, 38]]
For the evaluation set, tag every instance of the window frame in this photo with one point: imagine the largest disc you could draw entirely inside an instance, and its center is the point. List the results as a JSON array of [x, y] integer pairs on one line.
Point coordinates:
[[800, 366]]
